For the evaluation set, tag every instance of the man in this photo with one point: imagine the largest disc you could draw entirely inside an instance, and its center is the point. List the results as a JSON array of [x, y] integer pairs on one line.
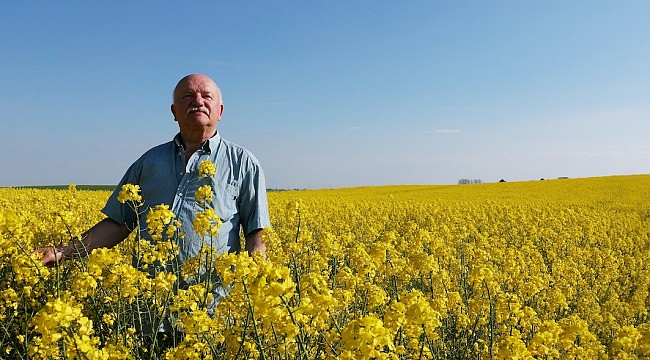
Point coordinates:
[[168, 174]]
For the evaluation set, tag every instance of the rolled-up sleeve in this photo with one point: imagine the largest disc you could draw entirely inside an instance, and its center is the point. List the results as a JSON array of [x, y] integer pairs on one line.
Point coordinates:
[[253, 206], [123, 213]]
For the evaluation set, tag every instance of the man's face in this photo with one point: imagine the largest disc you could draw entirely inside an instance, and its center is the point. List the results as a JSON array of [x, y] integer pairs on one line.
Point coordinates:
[[197, 104]]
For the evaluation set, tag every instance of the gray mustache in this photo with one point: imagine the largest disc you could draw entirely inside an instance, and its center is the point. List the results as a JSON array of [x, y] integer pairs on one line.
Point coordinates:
[[198, 108]]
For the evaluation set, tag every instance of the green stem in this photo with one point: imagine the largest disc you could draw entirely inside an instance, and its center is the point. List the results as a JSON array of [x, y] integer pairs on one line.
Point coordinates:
[[301, 338], [252, 314]]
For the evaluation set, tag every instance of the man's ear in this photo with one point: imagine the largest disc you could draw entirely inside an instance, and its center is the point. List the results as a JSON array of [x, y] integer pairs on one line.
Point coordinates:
[[220, 111], [173, 112]]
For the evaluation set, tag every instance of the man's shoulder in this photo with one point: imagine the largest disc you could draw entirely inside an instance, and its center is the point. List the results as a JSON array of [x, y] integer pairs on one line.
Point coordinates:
[[238, 151], [162, 147], [157, 151]]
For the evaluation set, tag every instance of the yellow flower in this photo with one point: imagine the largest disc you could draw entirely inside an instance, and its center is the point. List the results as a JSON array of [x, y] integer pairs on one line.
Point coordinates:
[[207, 168], [158, 218], [626, 341], [207, 223], [512, 347], [61, 325], [108, 319], [544, 342], [203, 195], [129, 192], [366, 338], [164, 281]]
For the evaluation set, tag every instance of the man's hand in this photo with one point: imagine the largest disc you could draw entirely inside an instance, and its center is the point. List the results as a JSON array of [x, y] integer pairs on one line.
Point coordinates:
[[51, 255], [105, 234], [254, 242]]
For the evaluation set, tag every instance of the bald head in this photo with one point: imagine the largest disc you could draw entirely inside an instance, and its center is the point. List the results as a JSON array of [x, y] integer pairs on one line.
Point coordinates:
[[205, 81]]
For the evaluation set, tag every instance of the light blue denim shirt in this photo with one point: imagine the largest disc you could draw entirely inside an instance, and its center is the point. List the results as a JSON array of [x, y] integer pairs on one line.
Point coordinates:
[[238, 185]]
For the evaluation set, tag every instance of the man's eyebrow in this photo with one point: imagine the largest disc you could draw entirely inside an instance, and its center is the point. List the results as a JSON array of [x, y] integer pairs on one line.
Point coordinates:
[[192, 92], [187, 92]]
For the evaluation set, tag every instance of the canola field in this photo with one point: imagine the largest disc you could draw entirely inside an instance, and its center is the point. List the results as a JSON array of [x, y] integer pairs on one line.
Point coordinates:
[[554, 269]]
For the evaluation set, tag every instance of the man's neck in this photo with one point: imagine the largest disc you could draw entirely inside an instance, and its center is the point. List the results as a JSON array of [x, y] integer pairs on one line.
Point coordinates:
[[193, 142]]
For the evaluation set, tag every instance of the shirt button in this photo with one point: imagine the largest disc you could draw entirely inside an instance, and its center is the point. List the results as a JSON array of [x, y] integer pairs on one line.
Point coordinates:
[[180, 194], [181, 173]]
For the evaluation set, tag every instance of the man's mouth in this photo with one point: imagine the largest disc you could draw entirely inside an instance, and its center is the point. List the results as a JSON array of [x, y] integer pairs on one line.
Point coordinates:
[[202, 109]]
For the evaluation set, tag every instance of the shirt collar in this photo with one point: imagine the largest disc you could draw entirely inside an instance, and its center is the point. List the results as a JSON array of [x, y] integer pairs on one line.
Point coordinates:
[[210, 145]]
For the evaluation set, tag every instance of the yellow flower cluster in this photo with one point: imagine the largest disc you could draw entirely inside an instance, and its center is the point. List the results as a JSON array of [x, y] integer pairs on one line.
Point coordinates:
[[207, 223], [204, 195], [366, 338], [129, 192], [207, 168], [62, 322], [159, 222], [556, 269]]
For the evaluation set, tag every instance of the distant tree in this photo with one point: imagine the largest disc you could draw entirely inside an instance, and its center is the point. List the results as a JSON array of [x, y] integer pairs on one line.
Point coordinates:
[[502, 180]]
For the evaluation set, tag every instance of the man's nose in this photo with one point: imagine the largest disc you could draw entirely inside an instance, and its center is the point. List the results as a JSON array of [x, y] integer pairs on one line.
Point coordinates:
[[198, 100]]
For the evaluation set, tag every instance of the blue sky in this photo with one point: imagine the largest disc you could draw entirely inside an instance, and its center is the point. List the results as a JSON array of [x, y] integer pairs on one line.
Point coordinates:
[[332, 93]]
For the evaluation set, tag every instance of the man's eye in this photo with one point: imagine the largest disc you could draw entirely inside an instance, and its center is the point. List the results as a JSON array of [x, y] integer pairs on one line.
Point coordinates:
[[209, 97]]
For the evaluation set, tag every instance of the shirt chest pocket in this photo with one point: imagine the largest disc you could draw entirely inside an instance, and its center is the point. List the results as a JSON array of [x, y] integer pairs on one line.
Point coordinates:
[[225, 201]]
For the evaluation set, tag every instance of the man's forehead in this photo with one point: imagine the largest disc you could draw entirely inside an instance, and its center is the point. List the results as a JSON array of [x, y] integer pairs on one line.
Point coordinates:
[[196, 84]]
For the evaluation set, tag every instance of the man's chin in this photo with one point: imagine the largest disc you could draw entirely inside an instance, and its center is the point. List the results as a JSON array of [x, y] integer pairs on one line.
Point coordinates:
[[197, 124]]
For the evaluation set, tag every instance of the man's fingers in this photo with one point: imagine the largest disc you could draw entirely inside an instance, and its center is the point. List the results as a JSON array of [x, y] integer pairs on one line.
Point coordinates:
[[50, 256]]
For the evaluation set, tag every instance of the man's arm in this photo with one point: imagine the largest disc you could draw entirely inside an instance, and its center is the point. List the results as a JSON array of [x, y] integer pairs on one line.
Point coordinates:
[[254, 242], [106, 233]]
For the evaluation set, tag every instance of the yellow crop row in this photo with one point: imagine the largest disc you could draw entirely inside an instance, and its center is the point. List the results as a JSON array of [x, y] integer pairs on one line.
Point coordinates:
[[552, 269]]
